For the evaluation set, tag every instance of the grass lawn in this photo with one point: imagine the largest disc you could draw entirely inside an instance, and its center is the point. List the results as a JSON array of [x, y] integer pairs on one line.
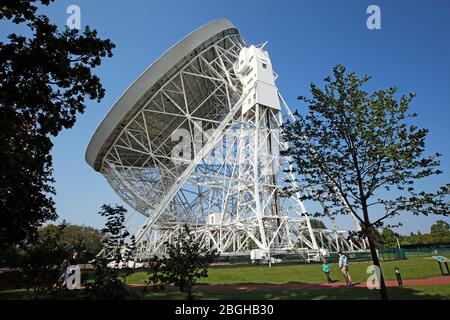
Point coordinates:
[[416, 267], [441, 292]]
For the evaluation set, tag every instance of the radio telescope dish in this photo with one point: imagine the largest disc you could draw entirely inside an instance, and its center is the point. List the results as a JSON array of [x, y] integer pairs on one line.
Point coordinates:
[[195, 140]]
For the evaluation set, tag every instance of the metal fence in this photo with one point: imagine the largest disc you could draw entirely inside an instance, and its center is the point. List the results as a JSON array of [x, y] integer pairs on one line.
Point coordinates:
[[389, 254], [384, 254], [433, 250]]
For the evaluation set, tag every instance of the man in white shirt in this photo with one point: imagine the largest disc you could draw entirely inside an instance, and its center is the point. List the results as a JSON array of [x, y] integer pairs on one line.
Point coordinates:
[[343, 265]]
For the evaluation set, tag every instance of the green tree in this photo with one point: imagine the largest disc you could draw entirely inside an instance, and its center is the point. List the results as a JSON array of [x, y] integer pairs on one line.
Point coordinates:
[[440, 227], [355, 147], [185, 261], [389, 238], [109, 281], [86, 240], [41, 265], [45, 79], [377, 238], [317, 224], [440, 232]]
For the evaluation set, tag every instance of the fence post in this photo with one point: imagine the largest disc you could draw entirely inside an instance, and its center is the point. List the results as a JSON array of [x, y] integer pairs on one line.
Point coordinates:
[[399, 277]]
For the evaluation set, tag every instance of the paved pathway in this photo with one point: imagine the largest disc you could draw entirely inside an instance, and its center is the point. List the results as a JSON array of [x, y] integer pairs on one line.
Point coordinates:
[[257, 287]]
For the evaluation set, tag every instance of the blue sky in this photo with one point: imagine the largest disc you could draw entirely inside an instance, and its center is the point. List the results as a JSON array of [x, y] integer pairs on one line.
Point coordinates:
[[306, 39]]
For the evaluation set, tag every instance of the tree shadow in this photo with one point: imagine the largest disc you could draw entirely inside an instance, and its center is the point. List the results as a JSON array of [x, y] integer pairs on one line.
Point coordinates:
[[315, 292], [328, 293]]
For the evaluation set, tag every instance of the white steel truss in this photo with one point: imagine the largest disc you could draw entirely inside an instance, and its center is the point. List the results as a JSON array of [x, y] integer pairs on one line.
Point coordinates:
[[190, 156]]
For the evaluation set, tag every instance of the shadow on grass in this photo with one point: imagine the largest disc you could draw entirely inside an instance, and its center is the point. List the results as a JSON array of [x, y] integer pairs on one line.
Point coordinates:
[[10, 289], [341, 293], [441, 292]]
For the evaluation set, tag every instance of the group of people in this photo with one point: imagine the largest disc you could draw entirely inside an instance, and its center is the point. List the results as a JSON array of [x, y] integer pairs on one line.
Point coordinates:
[[343, 266]]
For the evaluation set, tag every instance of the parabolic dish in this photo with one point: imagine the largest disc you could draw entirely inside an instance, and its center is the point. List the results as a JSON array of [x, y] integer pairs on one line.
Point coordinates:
[[187, 85], [142, 90]]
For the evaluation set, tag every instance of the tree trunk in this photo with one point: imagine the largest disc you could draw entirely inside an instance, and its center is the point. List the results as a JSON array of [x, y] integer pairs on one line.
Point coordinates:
[[189, 293], [376, 262]]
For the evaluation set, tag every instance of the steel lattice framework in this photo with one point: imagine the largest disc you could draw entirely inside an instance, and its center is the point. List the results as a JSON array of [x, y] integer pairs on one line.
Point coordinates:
[[186, 153]]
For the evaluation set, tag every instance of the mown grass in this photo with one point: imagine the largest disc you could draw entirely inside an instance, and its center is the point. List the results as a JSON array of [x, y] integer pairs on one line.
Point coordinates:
[[437, 292], [441, 292], [417, 267]]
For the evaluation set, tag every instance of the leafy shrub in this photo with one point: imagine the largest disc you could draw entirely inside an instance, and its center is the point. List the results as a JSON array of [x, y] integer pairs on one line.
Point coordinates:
[[185, 262]]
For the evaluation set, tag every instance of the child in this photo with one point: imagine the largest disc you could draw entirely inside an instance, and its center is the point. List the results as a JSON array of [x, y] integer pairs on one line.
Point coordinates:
[[326, 269]]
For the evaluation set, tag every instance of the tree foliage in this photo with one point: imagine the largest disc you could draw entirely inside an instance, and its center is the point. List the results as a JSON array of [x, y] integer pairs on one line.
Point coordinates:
[[109, 281], [439, 235], [358, 152], [41, 265], [388, 238], [440, 227], [45, 79], [185, 262], [86, 240], [317, 224]]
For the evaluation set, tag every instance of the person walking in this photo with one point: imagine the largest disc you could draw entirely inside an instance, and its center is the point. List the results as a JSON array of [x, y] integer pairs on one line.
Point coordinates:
[[326, 269], [72, 260], [343, 265]]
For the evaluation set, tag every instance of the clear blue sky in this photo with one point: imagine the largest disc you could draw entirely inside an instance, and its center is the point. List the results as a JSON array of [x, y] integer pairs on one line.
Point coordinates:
[[306, 39]]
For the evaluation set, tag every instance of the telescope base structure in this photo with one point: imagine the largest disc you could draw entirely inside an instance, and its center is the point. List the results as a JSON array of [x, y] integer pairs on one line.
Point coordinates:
[[196, 140], [237, 239]]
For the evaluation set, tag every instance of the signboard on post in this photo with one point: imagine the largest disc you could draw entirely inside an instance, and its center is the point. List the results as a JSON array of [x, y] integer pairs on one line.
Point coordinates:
[[442, 260]]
